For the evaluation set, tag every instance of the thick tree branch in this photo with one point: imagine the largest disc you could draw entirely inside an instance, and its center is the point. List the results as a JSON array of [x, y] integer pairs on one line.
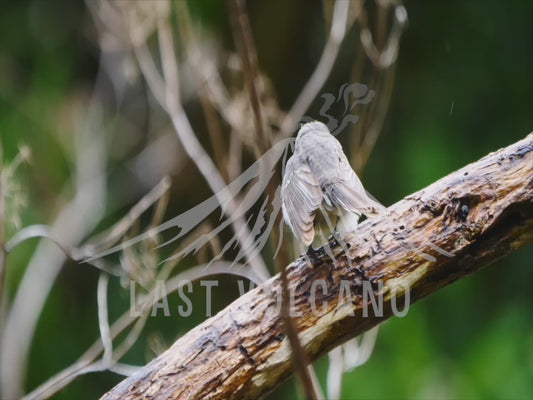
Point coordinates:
[[426, 241]]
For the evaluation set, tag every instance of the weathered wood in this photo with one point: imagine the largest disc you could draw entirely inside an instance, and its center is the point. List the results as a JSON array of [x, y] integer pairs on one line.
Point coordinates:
[[478, 214]]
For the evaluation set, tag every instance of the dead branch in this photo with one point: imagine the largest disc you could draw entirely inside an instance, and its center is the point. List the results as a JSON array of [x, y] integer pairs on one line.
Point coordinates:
[[426, 241]]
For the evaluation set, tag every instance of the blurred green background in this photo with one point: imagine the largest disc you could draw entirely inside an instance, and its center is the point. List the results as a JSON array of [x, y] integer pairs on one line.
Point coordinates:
[[463, 88]]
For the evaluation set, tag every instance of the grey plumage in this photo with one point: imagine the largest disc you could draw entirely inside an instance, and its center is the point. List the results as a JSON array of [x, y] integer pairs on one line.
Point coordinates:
[[319, 172]]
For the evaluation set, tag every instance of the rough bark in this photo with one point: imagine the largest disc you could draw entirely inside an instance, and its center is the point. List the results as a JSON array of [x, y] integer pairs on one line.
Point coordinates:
[[475, 215]]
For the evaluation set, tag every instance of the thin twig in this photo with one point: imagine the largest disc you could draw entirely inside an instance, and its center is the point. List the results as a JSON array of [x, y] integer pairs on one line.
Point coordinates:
[[235, 156], [213, 125], [300, 360], [189, 140], [215, 134], [204, 69], [60, 380], [73, 222], [87, 362], [159, 193], [242, 36], [373, 132], [345, 358], [335, 372], [103, 322], [119, 229], [358, 350], [327, 10], [367, 132], [131, 338], [385, 58], [322, 70], [3, 251], [124, 369]]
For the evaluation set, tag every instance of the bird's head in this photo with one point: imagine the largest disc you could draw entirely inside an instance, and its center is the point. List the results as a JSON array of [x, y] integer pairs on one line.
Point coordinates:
[[315, 128]]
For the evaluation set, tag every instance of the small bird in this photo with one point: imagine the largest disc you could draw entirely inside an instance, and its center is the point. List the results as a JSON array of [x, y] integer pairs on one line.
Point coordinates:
[[319, 173]]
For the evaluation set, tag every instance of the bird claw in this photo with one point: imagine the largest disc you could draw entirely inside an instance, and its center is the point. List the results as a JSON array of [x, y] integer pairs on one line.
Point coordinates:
[[335, 239], [311, 252]]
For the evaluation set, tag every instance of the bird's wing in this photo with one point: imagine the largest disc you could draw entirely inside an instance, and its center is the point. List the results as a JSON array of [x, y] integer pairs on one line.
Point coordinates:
[[300, 198], [348, 191]]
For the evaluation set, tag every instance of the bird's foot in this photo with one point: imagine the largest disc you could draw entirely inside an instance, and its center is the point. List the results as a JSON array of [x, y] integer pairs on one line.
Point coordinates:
[[335, 239], [311, 252]]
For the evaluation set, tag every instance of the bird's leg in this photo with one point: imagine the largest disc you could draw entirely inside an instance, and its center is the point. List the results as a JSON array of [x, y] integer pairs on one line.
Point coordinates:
[[310, 255], [311, 252]]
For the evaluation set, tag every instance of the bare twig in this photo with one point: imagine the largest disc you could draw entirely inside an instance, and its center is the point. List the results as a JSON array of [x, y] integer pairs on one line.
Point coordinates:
[[3, 222], [322, 70], [371, 135], [358, 350], [103, 322], [215, 135], [186, 134], [242, 36], [209, 80], [9, 212], [300, 360], [385, 58], [206, 101], [351, 354], [119, 229], [235, 156], [71, 225], [88, 361]]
